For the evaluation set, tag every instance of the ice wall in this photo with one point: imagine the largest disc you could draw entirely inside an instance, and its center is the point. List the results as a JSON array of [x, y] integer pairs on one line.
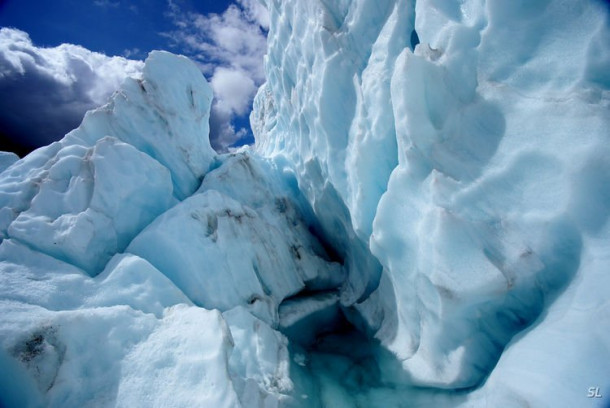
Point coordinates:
[[423, 221], [465, 145], [138, 268]]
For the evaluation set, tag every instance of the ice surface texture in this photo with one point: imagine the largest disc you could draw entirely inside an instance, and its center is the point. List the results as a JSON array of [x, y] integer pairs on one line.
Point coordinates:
[[422, 222], [118, 259], [474, 167]]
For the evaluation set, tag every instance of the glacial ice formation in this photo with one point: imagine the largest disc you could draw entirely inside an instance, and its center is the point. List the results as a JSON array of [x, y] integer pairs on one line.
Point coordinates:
[[423, 221], [131, 248], [465, 144]]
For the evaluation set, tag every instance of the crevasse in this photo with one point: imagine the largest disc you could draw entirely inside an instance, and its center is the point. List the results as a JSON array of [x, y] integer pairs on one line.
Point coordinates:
[[423, 221]]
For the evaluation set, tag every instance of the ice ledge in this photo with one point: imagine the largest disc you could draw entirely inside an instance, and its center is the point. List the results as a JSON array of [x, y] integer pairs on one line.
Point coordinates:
[[164, 114]]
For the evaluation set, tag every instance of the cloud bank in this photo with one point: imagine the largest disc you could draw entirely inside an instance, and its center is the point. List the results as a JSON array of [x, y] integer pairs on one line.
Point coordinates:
[[44, 92]]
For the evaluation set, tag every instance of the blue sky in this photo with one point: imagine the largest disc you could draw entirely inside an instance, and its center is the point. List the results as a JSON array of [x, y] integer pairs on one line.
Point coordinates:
[[225, 38]]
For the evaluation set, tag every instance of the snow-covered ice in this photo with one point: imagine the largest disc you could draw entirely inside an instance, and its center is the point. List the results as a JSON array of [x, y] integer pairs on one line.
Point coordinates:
[[423, 221]]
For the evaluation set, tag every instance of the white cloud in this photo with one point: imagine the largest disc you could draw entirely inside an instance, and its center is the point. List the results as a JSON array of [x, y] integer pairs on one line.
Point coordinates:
[[235, 38], [256, 11], [229, 48], [44, 92], [234, 89]]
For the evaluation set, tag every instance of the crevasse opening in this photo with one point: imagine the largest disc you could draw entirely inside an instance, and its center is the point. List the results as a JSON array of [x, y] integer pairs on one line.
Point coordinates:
[[417, 225]]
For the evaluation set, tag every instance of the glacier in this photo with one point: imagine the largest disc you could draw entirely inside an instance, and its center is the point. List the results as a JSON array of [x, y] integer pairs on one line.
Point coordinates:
[[422, 221]]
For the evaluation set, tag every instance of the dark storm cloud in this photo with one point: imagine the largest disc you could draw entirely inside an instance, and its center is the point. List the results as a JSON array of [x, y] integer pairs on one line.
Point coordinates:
[[44, 92]]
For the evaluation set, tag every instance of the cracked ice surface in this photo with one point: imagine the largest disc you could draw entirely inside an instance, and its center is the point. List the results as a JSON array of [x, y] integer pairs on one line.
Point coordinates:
[[422, 222]]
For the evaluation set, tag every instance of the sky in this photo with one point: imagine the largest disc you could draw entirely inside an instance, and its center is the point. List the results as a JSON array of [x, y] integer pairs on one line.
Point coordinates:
[[60, 58]]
